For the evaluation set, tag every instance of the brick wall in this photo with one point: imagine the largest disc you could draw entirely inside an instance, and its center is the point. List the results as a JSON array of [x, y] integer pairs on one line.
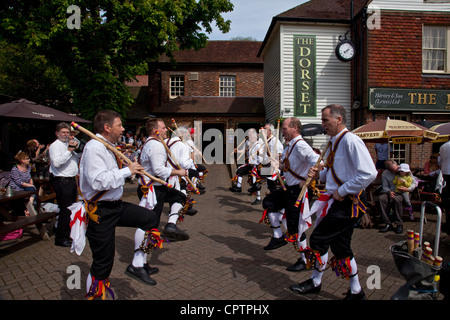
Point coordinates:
[[395, 51]]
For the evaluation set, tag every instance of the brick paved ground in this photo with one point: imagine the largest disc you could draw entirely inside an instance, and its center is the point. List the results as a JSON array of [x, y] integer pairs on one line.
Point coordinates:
[[223, 260]]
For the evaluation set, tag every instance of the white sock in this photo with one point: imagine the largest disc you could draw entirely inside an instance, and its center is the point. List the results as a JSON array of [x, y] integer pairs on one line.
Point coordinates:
[[88, 282], [283, 219], [275, 222], [173, 215], [302, 245], [239, 182], [317, 275], [258, 195], [355, 287], [139, 258]]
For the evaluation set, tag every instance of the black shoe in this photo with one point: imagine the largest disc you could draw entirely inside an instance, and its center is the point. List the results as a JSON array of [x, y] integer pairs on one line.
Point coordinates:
[[191, 212], [386, 228], [399, 230], [63, 243], [305, 287], [150, 270], [140, 274], [275, 243], [355, 296], [200, 186], [236, 189], [174, 234], [300, 265], [256, 202]]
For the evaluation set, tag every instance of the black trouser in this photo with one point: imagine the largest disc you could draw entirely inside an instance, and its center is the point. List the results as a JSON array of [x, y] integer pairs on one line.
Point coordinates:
[[102, 235], [335, 230], [66, 194], [280, 199], [164, 194]]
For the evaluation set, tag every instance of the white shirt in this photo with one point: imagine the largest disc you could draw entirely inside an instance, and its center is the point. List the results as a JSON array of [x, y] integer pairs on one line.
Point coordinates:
[[353, 166], [444, 153], [253, 152], [99, 171], [273, 143], [301, 158], [63, 163], [181, 153], [153, 158]]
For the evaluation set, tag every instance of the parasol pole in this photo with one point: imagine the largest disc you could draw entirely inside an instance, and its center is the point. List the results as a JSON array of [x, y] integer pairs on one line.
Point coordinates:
[[117, 153]]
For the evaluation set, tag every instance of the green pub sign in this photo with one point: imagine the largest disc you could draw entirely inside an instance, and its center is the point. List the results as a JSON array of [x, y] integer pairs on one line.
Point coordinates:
[[305, 76]]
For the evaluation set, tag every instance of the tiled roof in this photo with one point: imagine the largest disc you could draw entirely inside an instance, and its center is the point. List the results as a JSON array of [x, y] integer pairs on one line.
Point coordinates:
[[324, 9], [336, 11], [220, 52], [215, 105]]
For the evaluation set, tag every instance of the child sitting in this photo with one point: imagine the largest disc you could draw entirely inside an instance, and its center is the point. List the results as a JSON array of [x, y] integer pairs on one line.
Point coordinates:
[[404, 178]]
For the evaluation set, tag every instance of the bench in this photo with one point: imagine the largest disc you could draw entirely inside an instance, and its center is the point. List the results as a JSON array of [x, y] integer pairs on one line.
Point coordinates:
[[24, 222]]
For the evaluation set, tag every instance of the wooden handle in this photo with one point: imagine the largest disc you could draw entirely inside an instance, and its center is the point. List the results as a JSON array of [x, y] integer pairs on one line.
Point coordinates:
[[308, 181], [117, 152]]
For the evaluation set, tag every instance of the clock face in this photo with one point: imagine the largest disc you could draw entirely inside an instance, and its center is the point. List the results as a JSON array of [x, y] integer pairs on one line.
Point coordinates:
[[345, 51]]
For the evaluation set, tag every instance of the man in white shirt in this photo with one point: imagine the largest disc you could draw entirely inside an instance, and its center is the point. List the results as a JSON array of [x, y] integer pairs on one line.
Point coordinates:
[[444, 153], [297, 158], [254, 147], [349, 170], [64, 169], [101, 182], [153, 158], [276, 148]]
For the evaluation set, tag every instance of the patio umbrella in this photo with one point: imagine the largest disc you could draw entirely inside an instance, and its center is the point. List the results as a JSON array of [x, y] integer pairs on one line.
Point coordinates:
[[311, 129], [397, 131], [31, 110], [444, 132]]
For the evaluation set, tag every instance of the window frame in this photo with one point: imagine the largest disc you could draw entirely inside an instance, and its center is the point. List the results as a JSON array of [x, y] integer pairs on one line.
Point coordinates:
[[225, 87], [180, 89], [446, 53]]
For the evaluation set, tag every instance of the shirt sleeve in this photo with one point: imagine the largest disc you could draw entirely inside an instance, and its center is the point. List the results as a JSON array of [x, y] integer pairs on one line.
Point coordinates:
[[98, 174], [58, 154]]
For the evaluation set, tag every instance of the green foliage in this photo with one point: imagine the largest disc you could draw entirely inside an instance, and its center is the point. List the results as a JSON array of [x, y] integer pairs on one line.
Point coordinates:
[[116, 37]]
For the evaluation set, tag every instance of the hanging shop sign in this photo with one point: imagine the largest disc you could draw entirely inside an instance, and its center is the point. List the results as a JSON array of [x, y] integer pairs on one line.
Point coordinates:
[[409, 99], [305, 76]]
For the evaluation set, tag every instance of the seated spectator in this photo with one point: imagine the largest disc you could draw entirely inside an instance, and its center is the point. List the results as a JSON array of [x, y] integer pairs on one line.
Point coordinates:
[[129, 153], [404, 178], [431, 167], [21, 175], [390, 198]]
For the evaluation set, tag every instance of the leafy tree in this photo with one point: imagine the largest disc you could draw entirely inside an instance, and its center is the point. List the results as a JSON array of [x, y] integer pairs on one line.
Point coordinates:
[[24, 74], [115, 37]]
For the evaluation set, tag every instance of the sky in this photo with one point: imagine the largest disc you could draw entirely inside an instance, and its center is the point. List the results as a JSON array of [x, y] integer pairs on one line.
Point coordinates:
[[252, 18]]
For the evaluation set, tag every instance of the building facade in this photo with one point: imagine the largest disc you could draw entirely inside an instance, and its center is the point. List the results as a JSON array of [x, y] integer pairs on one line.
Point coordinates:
[[220, 85], [399, 70]]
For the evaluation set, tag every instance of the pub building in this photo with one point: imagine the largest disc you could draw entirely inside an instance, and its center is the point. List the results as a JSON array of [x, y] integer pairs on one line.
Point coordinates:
[[377, 58]]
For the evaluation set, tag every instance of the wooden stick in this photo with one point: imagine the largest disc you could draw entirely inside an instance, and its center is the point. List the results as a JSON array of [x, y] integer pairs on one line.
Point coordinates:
[[176, 162], [308, 181], [117, 153], [270, 155]]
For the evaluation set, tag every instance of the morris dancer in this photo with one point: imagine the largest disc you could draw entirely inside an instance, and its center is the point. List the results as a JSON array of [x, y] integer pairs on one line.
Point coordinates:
[[349, 170], [153, 158], [180, 151], [297, 158], [276, 149], [251, 168], [101, 185]]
